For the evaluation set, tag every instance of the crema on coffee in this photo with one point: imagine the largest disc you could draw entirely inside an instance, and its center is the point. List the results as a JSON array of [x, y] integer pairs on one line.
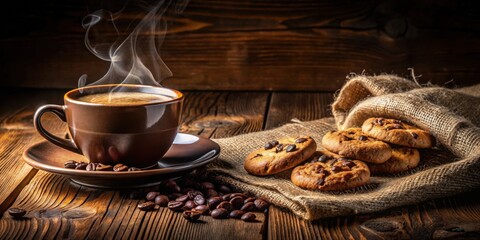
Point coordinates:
[[122, 98]]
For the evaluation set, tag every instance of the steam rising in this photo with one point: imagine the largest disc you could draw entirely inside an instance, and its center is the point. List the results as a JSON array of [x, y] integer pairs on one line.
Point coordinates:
[[134, 59]]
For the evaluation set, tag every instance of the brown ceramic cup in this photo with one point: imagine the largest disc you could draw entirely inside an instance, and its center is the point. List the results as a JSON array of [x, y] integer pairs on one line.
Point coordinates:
[[135, 134]]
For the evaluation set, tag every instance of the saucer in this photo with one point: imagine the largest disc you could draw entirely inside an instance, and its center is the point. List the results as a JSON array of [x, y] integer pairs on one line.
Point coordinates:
[[187, 153]]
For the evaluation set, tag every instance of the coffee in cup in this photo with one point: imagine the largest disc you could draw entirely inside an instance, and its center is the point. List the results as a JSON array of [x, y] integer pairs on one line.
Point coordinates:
[[134, 125]]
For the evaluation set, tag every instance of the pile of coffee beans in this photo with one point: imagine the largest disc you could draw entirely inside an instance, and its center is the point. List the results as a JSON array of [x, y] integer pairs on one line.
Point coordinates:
[[72, 164], [195, 199]]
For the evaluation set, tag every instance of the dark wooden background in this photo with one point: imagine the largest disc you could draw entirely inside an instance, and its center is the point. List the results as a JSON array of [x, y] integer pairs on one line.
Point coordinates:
[[257, 45]]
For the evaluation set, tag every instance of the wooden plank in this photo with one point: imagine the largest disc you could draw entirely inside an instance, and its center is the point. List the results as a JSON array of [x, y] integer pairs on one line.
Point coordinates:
[[61, 209], [268, 45], [449, 218]]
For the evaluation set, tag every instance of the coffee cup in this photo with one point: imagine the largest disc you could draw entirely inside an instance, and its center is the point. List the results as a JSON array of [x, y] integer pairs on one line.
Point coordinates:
[[130, 124]]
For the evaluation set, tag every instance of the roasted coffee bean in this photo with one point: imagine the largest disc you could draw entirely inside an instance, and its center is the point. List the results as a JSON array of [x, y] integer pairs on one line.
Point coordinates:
[[91, 167], [120, 167], [161, 200], [171, 186], [226, 205], [237, 214], [268, 145], [193, 193], [134, 169], [261, 204], [336, 169], [250, 199], [182, 198], [174, 195], [152, 195], [191, 216], [175, 206], [348, 176], [414, 135], [213, 202], [237, 202], [248, 207], [199, 200], [207, 185], [349, 164], [248, 217], [104, 167], [189, 205], [227, 196], [219, 213], [81, 166], [323, 158], [274, 142], [321, 182], [212, 193], [290, 148], [203, 209], [239, 195], [186, 190], [300, 140], [279, 148], [224, 189], [146, 206], [17, 212], [70, 164], [362, 138]]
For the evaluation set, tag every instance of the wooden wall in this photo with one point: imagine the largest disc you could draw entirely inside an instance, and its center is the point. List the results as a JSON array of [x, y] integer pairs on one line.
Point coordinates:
[[257, 45]]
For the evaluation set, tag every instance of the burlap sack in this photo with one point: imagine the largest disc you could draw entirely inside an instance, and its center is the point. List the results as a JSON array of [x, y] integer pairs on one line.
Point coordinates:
[[452, 116]]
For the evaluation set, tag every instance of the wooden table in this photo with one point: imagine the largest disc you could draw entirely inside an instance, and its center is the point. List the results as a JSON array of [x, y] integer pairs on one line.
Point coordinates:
[[58, 208]]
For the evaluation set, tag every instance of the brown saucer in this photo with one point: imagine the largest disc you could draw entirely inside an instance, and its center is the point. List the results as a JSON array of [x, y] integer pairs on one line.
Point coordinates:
[[186, 154]]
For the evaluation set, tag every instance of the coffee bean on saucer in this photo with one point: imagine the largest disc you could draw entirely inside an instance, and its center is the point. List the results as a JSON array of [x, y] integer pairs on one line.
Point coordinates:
[[224, 189], [134, 169], [189, 205], [248, 207], [104, 167], [226, 205], [120, 167], [91, 167], [70, 164], [146, 206], [152, 195], [213, 202], [182, 198], [248, 217], [191, 216], [81, 166], [199, 200], [161, 200], [175, 206], [203, 209], [219, 213], [237, 214], [237, 202], [261, 204], [17, 212]]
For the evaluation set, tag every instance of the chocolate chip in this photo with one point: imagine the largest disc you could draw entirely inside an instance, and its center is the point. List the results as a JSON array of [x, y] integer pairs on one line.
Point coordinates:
[[414, 135], [219, 213], [152, 195], [146, 206], [279, 148], [191, 216], [274, 142], [161, 200], [268, 145], [17, 212], [237, 214], [290, 148], [347, 176], [362, 138], [336, 169], [134, 169], [91, 167], [300, 140], [349, 164], [248, 217], [323, 158], [321, 182], [70, 164], [261, 204], [120, 167], [175, 206]]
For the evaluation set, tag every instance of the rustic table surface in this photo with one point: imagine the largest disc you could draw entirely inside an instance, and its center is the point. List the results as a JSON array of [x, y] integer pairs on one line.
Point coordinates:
[[102, 214]]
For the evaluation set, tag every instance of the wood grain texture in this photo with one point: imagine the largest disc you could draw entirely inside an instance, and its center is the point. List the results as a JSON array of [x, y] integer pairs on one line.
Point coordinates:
[[58, 208], [250, 45]]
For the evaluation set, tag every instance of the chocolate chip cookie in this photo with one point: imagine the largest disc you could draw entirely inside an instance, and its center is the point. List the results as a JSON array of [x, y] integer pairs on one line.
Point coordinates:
[[279, 155], [329, 174], [397, 132], [353, 143], [402, 159]]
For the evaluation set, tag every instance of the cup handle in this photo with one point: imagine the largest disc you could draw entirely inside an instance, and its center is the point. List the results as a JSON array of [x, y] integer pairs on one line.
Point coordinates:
[[60, 112]]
